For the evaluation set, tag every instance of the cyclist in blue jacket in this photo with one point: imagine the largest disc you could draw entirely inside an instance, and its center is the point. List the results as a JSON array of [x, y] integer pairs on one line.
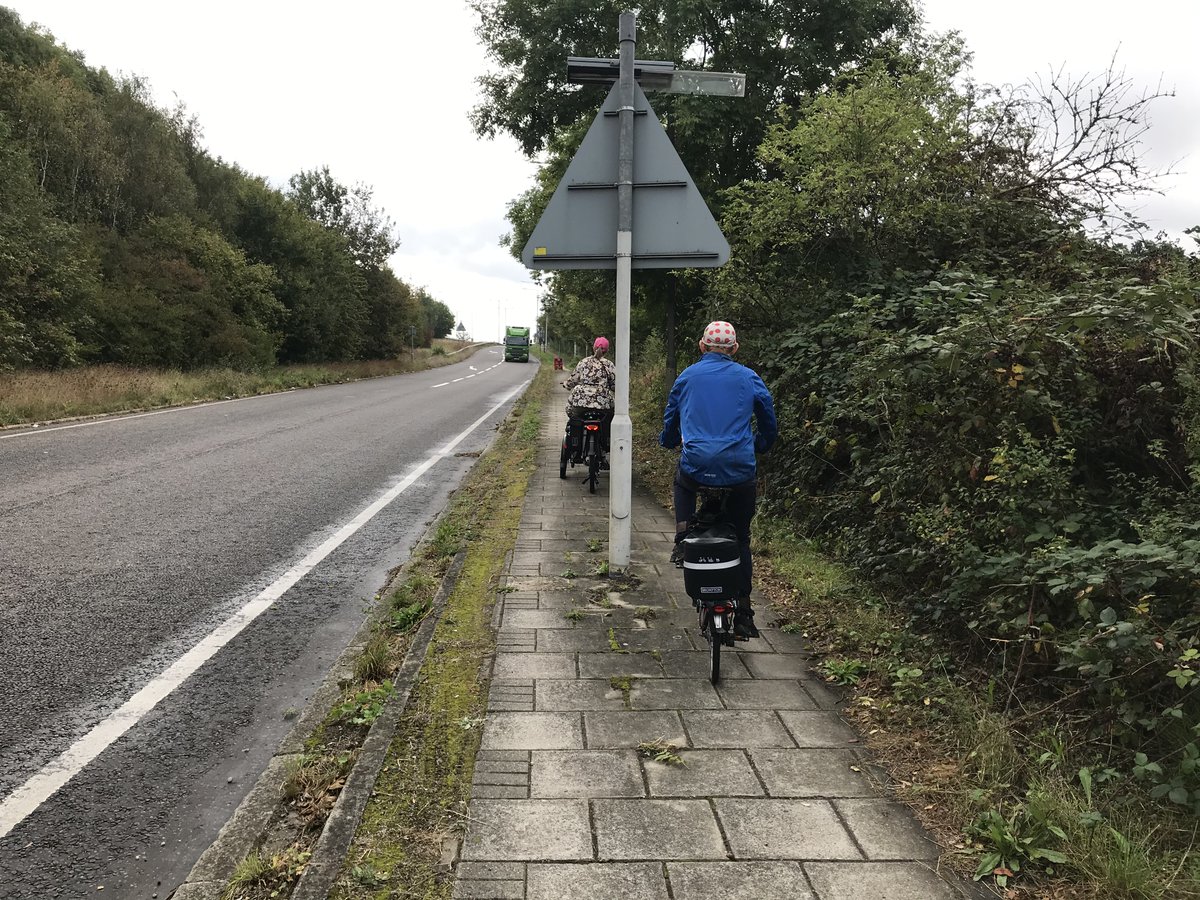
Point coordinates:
[[709, 411]]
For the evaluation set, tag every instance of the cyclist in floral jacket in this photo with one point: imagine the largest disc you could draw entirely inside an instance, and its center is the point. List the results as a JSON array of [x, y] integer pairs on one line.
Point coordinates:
[[592, 386]]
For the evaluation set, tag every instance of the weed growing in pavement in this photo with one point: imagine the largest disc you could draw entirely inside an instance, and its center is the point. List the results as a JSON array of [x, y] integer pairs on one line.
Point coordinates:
[[602, 569], [365, 706], [250, 872], [594, 545], [613, 644], [568, 573], [374, 663], [645, 612], [574, 614], [406, 618], [660, 750], [624, 684]]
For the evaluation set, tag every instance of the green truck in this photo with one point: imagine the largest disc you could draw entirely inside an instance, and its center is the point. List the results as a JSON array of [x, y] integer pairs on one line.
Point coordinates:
[[516, 344]]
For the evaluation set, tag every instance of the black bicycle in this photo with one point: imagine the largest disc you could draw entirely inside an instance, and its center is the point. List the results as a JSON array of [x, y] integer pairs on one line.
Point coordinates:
[[712, 573], [581, 446]]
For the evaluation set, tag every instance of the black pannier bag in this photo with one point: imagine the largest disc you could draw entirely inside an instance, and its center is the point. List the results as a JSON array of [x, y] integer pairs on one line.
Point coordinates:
[[712, 563]]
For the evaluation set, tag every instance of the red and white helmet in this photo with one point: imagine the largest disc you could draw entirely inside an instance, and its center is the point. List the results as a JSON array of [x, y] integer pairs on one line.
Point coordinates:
[[719, 334]]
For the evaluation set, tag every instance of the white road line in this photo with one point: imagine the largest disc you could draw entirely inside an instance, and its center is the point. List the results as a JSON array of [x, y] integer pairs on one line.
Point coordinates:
[[456, 380], [22, 802], [443, 384]]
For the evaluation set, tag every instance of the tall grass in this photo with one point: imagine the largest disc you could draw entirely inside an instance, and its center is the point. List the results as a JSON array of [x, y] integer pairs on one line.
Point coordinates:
[[36, 396]]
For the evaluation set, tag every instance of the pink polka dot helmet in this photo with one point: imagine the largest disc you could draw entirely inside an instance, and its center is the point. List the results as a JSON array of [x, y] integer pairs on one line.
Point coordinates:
[[719, 334]]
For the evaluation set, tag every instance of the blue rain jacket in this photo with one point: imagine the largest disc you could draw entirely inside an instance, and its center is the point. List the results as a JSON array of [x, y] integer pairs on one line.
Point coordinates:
[[709, 412]]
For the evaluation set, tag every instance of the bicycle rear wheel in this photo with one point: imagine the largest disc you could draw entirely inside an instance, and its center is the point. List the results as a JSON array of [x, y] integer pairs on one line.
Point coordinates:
[[564, 457], [593, 464], [715, 640]]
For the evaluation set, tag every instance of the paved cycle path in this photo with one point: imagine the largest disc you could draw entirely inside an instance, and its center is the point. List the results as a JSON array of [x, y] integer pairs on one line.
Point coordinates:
[[773, 799]]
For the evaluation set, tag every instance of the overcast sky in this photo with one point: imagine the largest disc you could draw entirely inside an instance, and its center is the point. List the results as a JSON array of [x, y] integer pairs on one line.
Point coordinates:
[[380, 92]]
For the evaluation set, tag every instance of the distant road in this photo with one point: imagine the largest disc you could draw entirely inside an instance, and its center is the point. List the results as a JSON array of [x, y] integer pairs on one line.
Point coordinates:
[[127, 542]]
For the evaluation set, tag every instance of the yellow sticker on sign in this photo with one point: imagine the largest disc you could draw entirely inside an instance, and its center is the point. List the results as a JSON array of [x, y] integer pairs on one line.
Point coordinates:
[[539, 251]]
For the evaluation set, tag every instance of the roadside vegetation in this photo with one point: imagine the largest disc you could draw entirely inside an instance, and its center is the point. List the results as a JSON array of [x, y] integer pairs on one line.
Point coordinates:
[[422, 792], [44, 396], [127, 243]]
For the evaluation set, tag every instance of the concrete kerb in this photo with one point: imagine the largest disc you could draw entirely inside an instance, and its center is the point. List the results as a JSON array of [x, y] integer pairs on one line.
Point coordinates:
[[338, 832], [251, 821]]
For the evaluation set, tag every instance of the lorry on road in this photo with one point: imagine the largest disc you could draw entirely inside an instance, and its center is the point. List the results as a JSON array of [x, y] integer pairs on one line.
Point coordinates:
[[516, 344]]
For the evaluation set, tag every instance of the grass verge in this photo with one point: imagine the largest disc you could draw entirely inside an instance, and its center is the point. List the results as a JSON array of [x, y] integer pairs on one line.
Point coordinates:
[[421, 795], [35, 396]]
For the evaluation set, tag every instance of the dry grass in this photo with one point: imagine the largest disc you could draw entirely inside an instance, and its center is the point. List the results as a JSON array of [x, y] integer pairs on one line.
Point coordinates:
[[36, 396]]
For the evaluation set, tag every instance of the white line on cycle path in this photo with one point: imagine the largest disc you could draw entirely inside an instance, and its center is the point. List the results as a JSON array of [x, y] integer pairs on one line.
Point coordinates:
[[22, 802]]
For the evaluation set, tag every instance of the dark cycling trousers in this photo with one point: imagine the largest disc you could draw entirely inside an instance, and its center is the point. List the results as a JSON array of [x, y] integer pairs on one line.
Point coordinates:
[[585, 412], [739, 508]]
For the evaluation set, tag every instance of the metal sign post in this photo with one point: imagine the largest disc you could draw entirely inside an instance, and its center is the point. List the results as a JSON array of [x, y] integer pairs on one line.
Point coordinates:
[[582, 228], [620, 489]]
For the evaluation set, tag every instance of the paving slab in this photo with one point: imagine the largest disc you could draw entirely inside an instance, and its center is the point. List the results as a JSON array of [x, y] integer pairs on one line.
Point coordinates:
[[738, 881], [656, 830], [536, 618], [704, 773], [818, 728], [532, 731], [782, 642], [761, 694], [878, 881], [585, 773], [489, 881], [693, 664], [599, 881], [811, 773], [610, 730], [655, 638], [563, 600], [578, 694], [534, 665], [886, 830], [784, 829], [730, 728], [674, 693], [511, 830], [586, 638], [608, 664], [775, 665]]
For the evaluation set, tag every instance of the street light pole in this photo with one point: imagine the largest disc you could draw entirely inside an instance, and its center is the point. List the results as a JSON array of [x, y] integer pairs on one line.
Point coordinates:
[[620, 526]]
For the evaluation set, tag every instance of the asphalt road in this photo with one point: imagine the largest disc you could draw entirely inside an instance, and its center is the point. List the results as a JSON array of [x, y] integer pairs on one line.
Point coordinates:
[[126, 541]]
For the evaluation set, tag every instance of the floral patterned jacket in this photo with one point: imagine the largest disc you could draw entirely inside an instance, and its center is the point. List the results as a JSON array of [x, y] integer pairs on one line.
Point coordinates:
[[592, 384]]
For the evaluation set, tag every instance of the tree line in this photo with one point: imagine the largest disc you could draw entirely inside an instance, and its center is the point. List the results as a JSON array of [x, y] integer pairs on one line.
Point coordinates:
[[123, 240], [985, 371]]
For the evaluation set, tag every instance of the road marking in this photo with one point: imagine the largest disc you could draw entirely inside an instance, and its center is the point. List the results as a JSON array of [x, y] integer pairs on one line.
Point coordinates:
[[22, 802], [443, 384]]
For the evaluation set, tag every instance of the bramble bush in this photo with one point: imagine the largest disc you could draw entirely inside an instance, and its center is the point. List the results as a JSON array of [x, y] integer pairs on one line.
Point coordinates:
[[1020, 464]]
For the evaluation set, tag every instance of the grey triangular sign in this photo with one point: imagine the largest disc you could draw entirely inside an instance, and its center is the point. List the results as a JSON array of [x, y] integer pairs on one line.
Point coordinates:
[[672, 225]]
